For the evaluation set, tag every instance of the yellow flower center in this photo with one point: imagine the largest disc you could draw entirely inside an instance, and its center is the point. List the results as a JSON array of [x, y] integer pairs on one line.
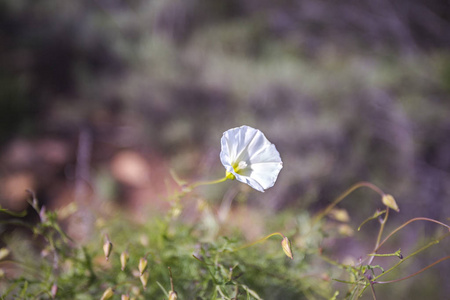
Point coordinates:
[[237, 167]]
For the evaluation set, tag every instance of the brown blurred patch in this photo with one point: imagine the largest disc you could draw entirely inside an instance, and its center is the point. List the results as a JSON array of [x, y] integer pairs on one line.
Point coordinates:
[[130, 168], [37, 165], [45, 152], [144, 181], [52, 151], [19, 153], [13, 190]]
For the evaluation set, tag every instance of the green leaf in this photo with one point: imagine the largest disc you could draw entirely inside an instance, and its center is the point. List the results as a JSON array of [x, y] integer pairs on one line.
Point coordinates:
[[23, 293]]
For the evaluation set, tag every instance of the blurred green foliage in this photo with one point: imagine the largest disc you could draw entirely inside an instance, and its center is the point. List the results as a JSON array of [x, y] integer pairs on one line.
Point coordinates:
[[209, 258]]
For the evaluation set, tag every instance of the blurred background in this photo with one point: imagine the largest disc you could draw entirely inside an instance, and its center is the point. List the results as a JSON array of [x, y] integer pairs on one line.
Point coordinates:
[[100, 99]]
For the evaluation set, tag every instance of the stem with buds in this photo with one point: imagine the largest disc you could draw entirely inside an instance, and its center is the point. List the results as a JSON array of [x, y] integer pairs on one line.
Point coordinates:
[[345, 194]]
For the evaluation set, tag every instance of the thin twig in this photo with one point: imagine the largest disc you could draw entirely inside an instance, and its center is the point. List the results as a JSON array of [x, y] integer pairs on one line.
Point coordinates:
[[345, 194], [408, 222], [380, 233], [412, 275]]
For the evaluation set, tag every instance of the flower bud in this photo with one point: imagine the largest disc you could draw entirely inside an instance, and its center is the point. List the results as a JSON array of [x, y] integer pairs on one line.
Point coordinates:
[[125, 297], [143, 239], [43, 214], [398, 253], [4, 252], [108, 293], [54, 290], [286, 245], [345, 230], [144, 279], [142, 265], [107, 248], [173, 295], [325, 277], [124, 256], [135, 292], [389, 201], [340, 215]]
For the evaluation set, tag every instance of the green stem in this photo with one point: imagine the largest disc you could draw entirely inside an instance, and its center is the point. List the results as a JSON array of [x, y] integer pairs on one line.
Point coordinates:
[[380, 233], [171, 279], [355, 283], [411, 255], [375, 216], [335, 263], [386, 255], [124, 283], [406, 223], [12, 213], [163, 289], [373, 291], [258, 241], [350, 282], [418, 272], [221, 292], [414, 253], [345, 194], [196, 184]]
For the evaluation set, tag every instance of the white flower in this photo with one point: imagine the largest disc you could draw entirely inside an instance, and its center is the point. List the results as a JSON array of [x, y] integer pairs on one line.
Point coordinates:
[[249, 157]]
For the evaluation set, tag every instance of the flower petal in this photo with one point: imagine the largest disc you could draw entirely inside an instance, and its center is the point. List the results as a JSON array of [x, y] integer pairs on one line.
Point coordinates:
[[250, 181], [266, 173], [265, 155]]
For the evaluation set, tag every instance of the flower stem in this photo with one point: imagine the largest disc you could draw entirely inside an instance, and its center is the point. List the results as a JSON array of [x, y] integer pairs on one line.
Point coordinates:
[[258, 241], [196, 184], [418, 272], [406, 223], [345, 194], [414, 253], [434, 242], [380, 233]]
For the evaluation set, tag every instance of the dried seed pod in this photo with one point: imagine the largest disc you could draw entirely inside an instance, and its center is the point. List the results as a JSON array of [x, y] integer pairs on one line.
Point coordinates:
[[124, 256], [108, 293], [286, 245], [142, 265], [54, 290], [173, 295], [144, 279], [389, 201], [107, 247], [125, 297]]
